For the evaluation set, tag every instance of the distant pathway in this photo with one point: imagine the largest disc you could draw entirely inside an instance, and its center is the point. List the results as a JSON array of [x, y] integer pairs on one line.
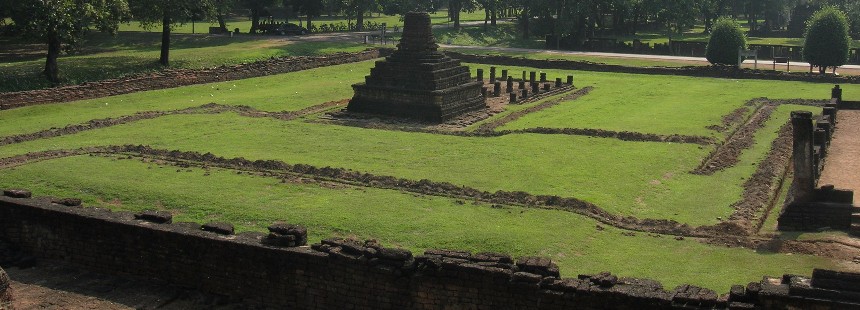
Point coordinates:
[[762, 64], [843, 157]]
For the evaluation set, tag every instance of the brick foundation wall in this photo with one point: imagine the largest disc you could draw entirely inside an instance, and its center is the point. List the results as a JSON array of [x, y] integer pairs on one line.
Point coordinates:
[[338, 274]]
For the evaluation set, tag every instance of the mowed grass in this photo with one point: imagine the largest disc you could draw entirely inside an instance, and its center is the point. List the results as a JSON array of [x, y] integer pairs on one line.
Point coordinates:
[[660, 104], [400, 219], [570, 166], [105, 57], [285, 92], [648, 180]]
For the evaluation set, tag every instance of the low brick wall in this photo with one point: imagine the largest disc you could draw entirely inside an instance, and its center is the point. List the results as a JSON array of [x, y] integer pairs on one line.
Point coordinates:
[[695, 71], [338, 273], [179, 77]]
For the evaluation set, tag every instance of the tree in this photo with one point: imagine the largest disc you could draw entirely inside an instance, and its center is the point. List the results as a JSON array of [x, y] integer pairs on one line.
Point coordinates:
[[356, 9], [827, 39], [59, 22], [309, 8], [169, 14], [257, 7], [221, 7], [726, 38]]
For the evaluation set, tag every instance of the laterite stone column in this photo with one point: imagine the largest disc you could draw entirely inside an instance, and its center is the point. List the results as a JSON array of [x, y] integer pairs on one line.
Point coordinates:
[[804, 171]]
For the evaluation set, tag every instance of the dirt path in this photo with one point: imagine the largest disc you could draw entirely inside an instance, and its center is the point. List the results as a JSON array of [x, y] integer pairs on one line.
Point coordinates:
[[843, 157]]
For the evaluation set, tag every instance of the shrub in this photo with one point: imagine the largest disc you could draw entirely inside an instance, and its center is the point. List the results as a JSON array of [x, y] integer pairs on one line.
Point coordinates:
[[827, 39], [726, 39]]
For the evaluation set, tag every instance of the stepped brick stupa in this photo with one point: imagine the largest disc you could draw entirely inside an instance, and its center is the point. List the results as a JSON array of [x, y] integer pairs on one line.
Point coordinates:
[[417, 81]]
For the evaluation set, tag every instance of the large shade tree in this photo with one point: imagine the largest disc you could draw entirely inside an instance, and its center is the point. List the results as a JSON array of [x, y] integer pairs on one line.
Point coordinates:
[[62, 23], [169, 14]]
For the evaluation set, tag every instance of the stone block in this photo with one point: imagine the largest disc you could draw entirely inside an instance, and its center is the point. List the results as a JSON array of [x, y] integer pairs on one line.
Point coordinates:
[[220, 228], [69, 202], [17, 193], [158, 217]]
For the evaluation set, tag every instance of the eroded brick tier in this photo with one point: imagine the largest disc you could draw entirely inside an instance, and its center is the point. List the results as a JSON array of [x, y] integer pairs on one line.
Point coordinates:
[[418, 81]]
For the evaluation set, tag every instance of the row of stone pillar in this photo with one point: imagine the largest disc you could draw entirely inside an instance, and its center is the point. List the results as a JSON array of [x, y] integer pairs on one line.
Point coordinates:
[[532, 76], [811, 139]]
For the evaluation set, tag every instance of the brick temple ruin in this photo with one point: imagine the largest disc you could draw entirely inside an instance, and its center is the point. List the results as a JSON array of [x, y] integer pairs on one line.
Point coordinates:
[[813, 207], [417, 81]]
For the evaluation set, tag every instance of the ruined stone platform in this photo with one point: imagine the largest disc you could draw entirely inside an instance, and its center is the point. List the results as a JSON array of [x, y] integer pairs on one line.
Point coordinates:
[[417, 81]]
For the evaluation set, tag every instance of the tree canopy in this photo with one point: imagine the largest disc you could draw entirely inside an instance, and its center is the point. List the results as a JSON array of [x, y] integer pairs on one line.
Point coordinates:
[[827, 40], [726, 38]]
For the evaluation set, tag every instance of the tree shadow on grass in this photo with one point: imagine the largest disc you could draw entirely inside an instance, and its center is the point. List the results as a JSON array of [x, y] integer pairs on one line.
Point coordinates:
[[75, 70]]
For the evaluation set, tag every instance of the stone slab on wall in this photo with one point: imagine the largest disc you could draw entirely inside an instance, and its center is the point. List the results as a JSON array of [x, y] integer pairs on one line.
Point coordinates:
[[338, 273]]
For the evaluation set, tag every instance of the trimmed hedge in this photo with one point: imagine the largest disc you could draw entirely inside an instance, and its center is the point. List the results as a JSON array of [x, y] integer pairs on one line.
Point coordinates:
[[726, 39], [827, 39]]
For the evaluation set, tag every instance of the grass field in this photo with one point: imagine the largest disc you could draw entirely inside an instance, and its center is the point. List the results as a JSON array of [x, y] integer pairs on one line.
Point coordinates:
[[620, 184], [400, 219]]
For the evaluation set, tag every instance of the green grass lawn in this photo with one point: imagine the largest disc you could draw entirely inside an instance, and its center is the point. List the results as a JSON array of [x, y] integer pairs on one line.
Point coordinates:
[[625, 183], [400, 219], [659, 104], [539, 164], [286, 92]]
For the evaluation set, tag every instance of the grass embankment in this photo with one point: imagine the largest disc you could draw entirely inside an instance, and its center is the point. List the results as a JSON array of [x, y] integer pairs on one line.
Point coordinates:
[[400, 219], [618, 176]]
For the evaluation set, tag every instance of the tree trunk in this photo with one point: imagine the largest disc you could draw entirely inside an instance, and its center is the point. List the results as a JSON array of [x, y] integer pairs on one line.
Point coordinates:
[[486, 17], [165, 40], [222, 23], [526, 16], [454, 7], [255, 21], [359, 18], [51, 70], [493, 16]]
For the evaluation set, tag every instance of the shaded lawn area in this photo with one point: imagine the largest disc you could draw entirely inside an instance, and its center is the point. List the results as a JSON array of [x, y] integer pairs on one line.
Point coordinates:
[[106, 57], [400, 219], [244, 22]]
